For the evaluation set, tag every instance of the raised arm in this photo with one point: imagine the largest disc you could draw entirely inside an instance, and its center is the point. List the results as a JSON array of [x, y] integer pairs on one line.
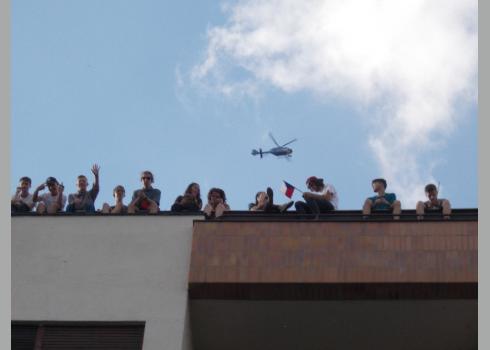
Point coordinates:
[[35, 195], [14, 198], [95, 186], [61, 188]]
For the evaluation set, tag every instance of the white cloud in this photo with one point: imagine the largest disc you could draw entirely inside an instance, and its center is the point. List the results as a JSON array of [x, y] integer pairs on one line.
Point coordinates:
[[411, 60]]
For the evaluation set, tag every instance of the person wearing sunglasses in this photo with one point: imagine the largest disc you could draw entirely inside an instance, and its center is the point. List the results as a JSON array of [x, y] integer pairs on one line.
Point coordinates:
[[147, 199]]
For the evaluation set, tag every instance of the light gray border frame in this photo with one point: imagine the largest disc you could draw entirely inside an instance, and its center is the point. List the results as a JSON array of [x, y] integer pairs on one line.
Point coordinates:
[[5, 173]]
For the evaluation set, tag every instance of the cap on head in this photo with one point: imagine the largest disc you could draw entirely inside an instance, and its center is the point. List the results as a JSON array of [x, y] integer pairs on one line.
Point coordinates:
[[430, 187], [51, 180], [383, 181], [311, 179]]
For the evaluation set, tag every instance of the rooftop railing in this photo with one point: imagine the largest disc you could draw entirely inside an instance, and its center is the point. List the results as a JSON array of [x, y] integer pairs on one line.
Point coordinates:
[[466, 214]]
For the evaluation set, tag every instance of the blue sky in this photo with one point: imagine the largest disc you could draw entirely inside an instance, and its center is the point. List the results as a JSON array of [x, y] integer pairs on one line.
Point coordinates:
[[114, 82]]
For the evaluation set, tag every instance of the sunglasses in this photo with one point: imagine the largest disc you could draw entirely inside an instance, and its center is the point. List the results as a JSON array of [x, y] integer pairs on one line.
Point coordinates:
[[146, 178]]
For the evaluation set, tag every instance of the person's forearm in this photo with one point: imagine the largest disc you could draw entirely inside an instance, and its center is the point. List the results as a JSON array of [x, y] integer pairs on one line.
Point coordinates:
[[117, 208], [35, 196], [95, 187], [152, 201], [318, 196]]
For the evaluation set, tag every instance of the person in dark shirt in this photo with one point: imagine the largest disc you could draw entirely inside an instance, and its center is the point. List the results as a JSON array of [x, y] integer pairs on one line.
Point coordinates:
[[382, 202], [146, 199], [190, 201], [118, 208], [83, 200], [264, 201], [434, 204]]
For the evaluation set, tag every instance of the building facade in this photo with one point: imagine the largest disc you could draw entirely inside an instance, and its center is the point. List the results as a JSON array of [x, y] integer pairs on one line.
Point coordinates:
[[244, 282]]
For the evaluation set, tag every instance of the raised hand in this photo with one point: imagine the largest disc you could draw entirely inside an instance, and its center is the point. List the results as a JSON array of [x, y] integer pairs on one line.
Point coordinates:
[[95, 169]]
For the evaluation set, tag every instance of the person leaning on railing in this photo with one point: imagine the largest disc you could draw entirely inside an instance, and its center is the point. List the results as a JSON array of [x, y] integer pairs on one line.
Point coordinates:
[[382, 202], [118, 208], [434, 204], [83, 200], [190, 201], [52, 201], [146, 199], [216, 205], [22, 200]]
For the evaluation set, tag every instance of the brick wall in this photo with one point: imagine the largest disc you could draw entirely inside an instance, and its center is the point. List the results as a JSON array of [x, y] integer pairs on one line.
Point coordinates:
[[334, 252]]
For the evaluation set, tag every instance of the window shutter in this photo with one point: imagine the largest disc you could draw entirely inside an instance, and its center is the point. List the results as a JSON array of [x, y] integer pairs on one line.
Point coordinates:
[[23, 337], [78, 335]]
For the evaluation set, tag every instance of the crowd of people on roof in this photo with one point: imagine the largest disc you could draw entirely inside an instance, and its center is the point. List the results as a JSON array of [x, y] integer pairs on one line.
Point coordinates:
[[321, 198]]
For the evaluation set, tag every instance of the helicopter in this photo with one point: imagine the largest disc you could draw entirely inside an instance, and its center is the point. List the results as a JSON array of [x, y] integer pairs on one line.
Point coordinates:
[[277, 151]]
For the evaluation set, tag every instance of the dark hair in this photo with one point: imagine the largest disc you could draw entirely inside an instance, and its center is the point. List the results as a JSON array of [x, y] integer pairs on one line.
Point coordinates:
[[383, 181], [81, 176], [257, 197], [313, 180], [188, 191], [51, 180], [149, 173], [219, 191], [25, 178], [430, 187], [115, 189]]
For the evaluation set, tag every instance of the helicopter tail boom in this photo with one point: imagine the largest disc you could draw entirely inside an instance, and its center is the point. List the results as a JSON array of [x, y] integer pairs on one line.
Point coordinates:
[[255, 152]]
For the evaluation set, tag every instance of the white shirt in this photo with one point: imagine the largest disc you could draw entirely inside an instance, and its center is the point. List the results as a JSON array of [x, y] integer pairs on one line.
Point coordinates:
[[26, 200], [48, 199], [335, 197]]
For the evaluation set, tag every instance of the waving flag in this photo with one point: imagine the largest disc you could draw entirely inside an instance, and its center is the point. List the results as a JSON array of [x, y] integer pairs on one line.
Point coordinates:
[[287, 189]]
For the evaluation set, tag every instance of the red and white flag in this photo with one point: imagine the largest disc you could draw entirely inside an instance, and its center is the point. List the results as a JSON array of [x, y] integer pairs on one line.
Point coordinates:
[[287, 189]]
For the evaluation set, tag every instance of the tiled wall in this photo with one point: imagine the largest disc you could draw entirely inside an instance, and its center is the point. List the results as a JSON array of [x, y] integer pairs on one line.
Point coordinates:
[[334, 252]]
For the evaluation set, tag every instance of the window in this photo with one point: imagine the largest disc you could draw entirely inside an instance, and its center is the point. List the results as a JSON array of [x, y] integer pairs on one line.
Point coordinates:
[[54, 335]]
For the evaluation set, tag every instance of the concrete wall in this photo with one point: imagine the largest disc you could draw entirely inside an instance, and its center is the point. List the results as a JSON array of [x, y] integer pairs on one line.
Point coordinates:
[[99, 268]]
